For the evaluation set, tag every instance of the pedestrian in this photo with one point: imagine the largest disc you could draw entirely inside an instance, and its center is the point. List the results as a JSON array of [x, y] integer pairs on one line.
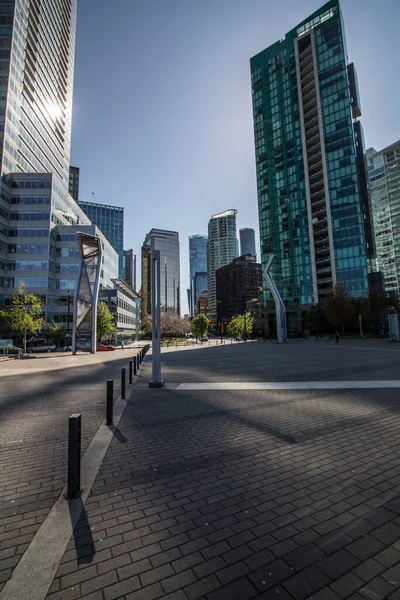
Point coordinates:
[[382, 334], [122, 345], [336, 337]]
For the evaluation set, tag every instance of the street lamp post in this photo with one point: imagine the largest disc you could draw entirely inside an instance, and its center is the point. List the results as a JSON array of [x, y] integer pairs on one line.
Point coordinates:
[[68, 301]]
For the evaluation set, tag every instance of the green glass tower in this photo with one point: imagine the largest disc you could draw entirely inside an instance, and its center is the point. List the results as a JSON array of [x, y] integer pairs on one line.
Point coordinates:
[[312, 215]]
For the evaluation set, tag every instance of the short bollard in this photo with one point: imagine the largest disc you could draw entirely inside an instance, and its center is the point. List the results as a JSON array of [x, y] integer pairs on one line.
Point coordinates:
[[134, 366], [123, 384], [138, 360], [110, 401], [74, 457], [130, 371]]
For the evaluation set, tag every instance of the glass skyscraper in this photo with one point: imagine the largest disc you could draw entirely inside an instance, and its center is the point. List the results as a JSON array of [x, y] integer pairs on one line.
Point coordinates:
[[247, 241], [197, 264], [305, 109], [222, 248], [167, 242], [110, 220], [37, 42], [384, 188]]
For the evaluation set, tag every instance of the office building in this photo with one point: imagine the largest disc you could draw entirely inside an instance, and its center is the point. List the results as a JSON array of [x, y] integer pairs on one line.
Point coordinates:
[[199, 287], [110, 220], [129, 268], [124, 304], [383, 168], [222, 248], [202, 304], [36, 80], [73, 183], [247, 238], [167, 242], [312, 217], [237, 283], [197, 264]]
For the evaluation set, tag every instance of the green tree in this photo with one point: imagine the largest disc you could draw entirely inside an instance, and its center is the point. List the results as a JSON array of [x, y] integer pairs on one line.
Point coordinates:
[[54, 331], [105, 320], [145, 325], [316, 320], [25, 313], [241, 324], [338, 307], [199, 325]]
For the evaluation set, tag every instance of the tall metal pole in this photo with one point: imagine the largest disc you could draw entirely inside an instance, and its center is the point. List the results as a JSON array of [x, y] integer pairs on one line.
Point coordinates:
[[68, 299], [156, 381]]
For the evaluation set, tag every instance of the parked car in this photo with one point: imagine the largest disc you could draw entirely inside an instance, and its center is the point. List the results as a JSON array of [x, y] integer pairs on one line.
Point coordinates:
[[104, 348], [204, 338], [40, 346], [67, 349]]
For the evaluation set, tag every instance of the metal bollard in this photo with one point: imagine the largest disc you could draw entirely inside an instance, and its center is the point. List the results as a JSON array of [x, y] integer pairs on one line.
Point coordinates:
[[130, 371], [134, 366], [123, 384], [110, 401], [74, 456]]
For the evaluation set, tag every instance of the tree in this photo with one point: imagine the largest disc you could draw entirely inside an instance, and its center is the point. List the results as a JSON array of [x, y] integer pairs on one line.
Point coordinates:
[[241, 324], [338, 307], [199, 325], [53, 330], [145, 325], [172, 324], [105, 320], [25, 313], [316, 320]]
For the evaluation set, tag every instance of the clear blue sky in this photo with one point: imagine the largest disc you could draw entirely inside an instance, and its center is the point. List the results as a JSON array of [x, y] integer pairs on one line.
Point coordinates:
[[162, 119]]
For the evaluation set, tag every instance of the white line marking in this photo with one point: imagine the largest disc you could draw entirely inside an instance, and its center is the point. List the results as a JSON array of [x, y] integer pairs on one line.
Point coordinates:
[[288, 385]]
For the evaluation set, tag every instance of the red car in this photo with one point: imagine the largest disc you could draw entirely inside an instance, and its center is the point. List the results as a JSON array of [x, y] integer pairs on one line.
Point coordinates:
[[104, 348]]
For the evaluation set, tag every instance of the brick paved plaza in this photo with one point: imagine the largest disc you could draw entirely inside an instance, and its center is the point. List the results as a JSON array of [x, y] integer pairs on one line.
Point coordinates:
[[228, 494]]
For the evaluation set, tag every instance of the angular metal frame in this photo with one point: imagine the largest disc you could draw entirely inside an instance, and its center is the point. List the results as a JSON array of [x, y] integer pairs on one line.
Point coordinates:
[[87, 292], [281, 327]]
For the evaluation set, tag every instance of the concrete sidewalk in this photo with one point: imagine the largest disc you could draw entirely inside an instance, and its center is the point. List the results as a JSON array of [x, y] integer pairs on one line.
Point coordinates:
[[243, 494]]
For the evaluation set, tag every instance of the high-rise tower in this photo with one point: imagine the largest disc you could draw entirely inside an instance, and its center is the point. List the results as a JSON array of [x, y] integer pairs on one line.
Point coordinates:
[[197, 264], [247, 241], [312, 217], [222, 248]]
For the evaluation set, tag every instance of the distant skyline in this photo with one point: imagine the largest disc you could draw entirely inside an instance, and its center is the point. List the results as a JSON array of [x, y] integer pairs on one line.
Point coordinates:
[[162, 119]]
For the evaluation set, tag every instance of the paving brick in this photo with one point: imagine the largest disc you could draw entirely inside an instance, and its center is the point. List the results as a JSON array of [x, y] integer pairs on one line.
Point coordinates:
[[233, 572], [377, 589], [202, 588], [304, 556], [369, 569], [179, 581], [241, 589], [149, 593], [393, 575], [305, 584], [157, 574], [387, 534], [270, 575], [209, 566], [187, 562], [98, 583], [365, 547], [347, 585], [135, 568], [388, 557], [121, 588], [337, 564]]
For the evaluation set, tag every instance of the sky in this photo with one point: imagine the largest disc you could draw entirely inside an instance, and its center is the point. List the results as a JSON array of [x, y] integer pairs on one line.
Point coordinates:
[[162, 116]]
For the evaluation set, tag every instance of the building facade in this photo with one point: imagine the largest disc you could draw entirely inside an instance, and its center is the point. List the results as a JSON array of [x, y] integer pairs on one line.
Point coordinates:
[[36, 80], [167, 242], [197, 264], [222, 248], [110, 220], [247, 238], [237, 284], [124, 304], [73, 183], [129, 268], [383, 170], [312, 218]]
